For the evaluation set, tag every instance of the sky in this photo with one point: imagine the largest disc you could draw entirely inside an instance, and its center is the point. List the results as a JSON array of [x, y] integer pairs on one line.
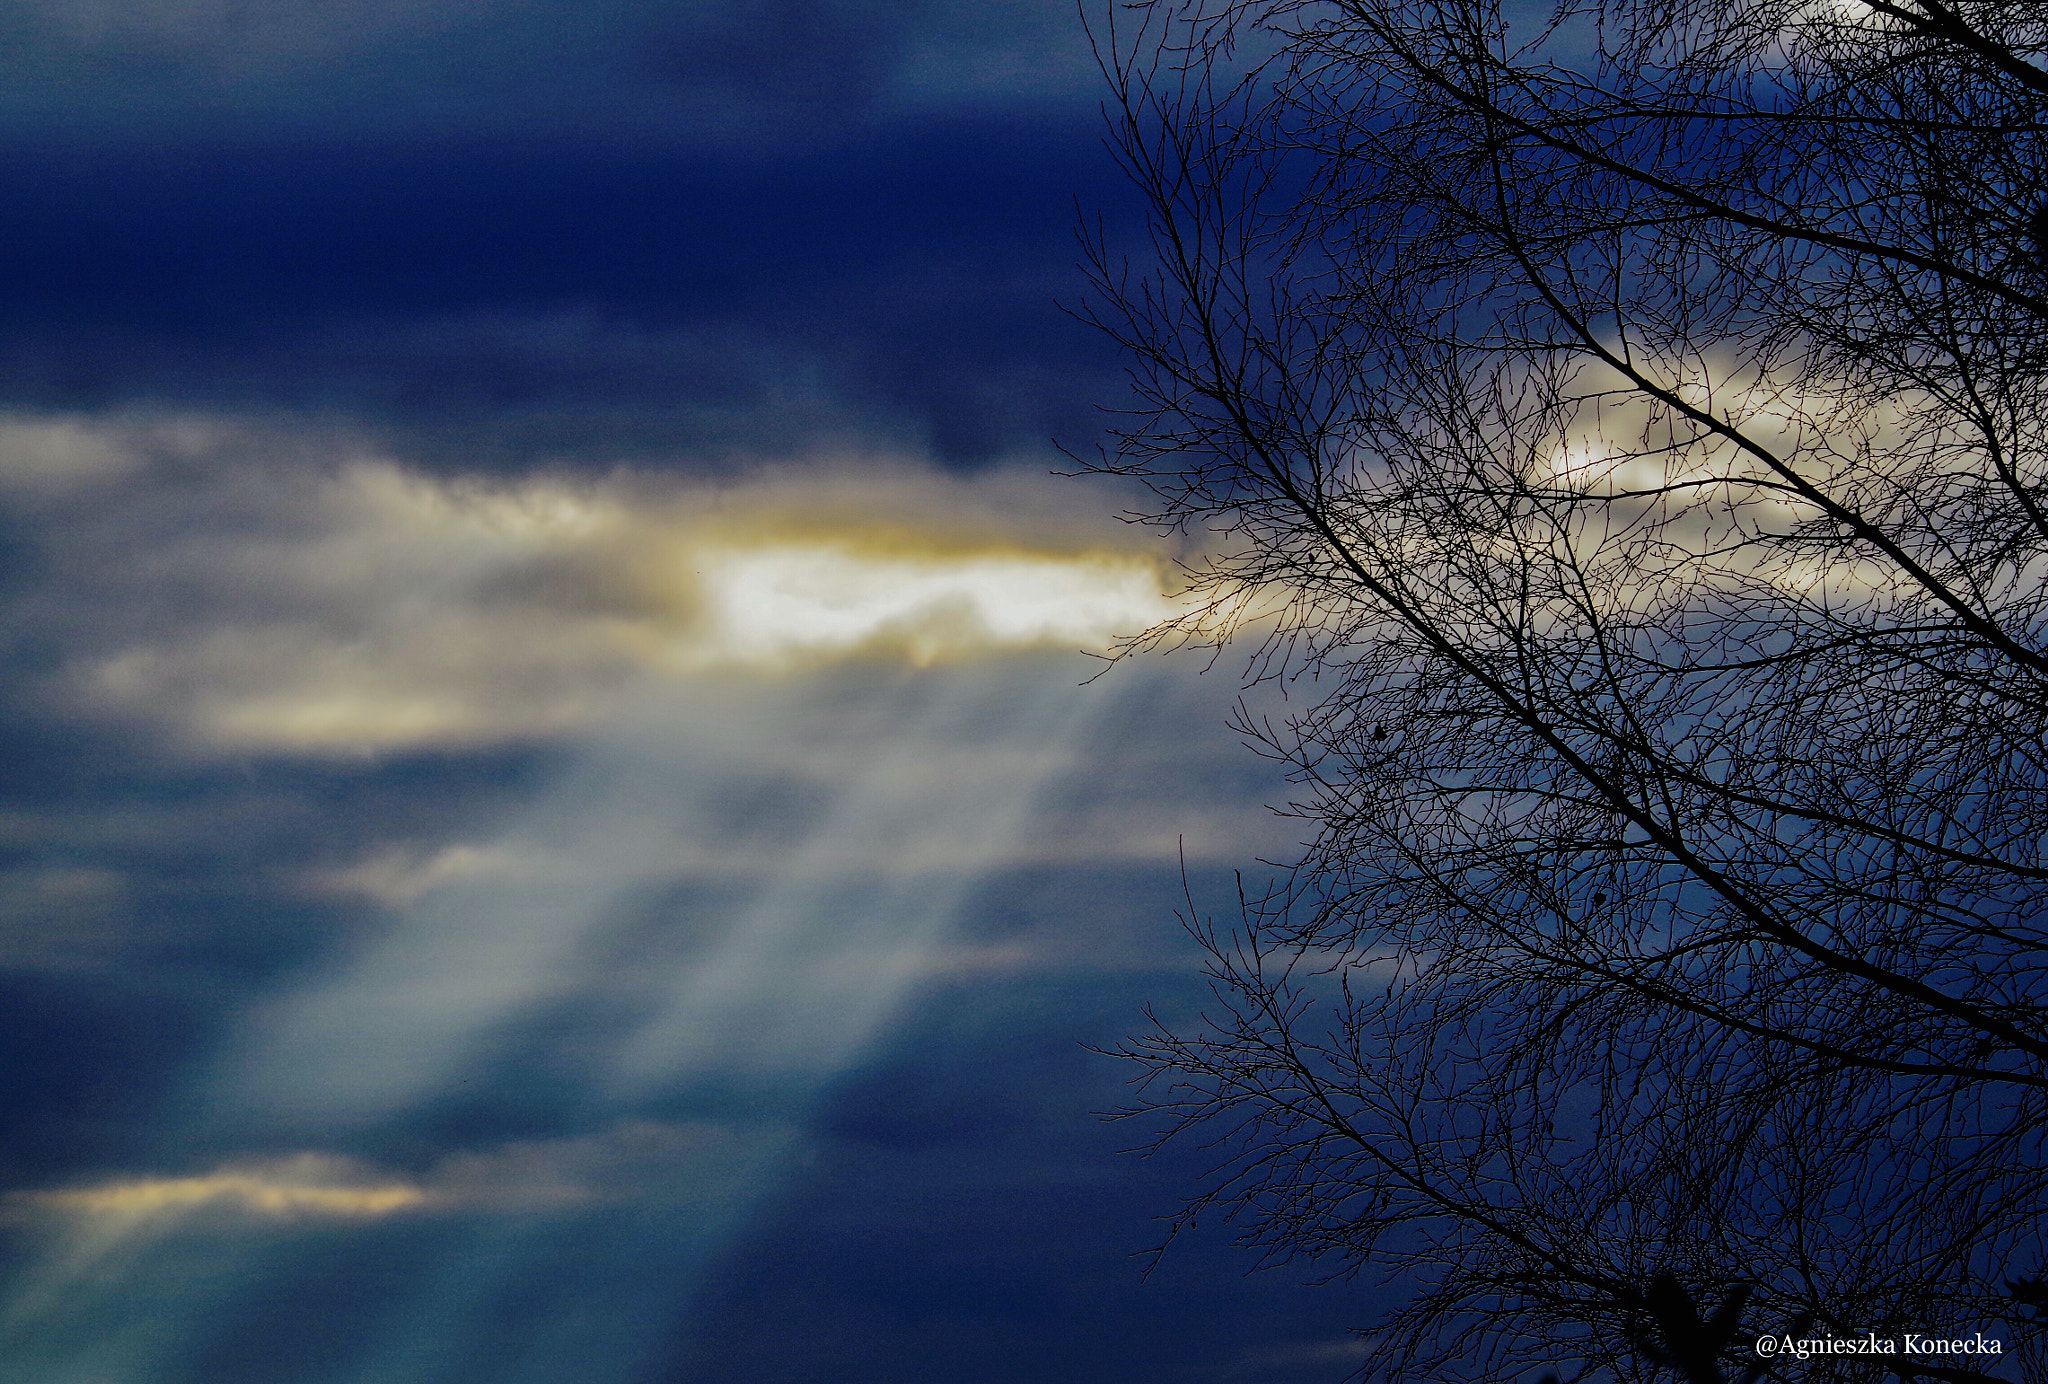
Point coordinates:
[[558, 819]]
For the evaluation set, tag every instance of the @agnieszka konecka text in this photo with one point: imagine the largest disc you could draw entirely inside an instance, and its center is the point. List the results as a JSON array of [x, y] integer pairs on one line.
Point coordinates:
[[1914, 1343]]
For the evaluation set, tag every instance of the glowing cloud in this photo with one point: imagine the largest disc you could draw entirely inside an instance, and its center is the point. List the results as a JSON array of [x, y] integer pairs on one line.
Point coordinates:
[[307, 1187], [350, 604], [788, 602], [634, 1160]]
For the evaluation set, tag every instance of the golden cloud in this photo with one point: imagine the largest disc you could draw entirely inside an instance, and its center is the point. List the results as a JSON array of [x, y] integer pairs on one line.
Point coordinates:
[[307, 1187], [635, 1160], [367, 606], [791, 600]]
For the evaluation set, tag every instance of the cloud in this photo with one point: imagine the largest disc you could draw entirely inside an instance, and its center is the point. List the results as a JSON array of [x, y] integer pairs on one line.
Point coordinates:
[[344, 604], [644, 1162], [999, 48], [56, 917], [396, 876], [1345, 1350], [54, 455], [729, 71], [299, 31], [787, 601], [306, 1187], [810, 54]]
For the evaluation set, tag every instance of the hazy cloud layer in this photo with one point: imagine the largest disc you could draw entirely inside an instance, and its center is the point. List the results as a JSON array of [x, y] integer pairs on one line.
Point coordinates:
[[347, 604], [703, 70]]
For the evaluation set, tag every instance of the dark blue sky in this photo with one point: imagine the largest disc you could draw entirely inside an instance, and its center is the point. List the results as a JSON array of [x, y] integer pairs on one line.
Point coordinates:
[[549, 830], [906, 276]]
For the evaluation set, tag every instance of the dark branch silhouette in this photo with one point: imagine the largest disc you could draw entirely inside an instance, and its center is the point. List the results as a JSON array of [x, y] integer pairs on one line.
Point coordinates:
[[1623, 432]]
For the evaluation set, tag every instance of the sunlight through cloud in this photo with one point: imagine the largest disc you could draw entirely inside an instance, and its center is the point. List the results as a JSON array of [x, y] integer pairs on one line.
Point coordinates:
[[366, 606], [308, 1187], [788, 603]]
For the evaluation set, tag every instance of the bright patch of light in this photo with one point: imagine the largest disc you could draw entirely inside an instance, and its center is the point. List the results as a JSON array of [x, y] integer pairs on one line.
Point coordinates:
[[783, 603], [372, 607], [300, 1188]]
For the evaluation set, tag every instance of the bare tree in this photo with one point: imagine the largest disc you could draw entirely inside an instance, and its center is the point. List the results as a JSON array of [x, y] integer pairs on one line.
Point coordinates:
[[1628, 424]]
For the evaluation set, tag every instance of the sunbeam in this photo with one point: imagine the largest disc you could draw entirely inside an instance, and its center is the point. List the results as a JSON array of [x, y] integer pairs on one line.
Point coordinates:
[[567, 1051], [747, 876]]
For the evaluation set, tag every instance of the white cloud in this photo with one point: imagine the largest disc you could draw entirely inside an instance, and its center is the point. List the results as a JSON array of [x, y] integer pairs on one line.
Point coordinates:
[[641, 1161], [45, 455], [345, 603], [794, 601]]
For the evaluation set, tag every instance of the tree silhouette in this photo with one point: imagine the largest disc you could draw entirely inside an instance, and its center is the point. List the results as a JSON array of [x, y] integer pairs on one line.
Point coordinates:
[[1621, 433]]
